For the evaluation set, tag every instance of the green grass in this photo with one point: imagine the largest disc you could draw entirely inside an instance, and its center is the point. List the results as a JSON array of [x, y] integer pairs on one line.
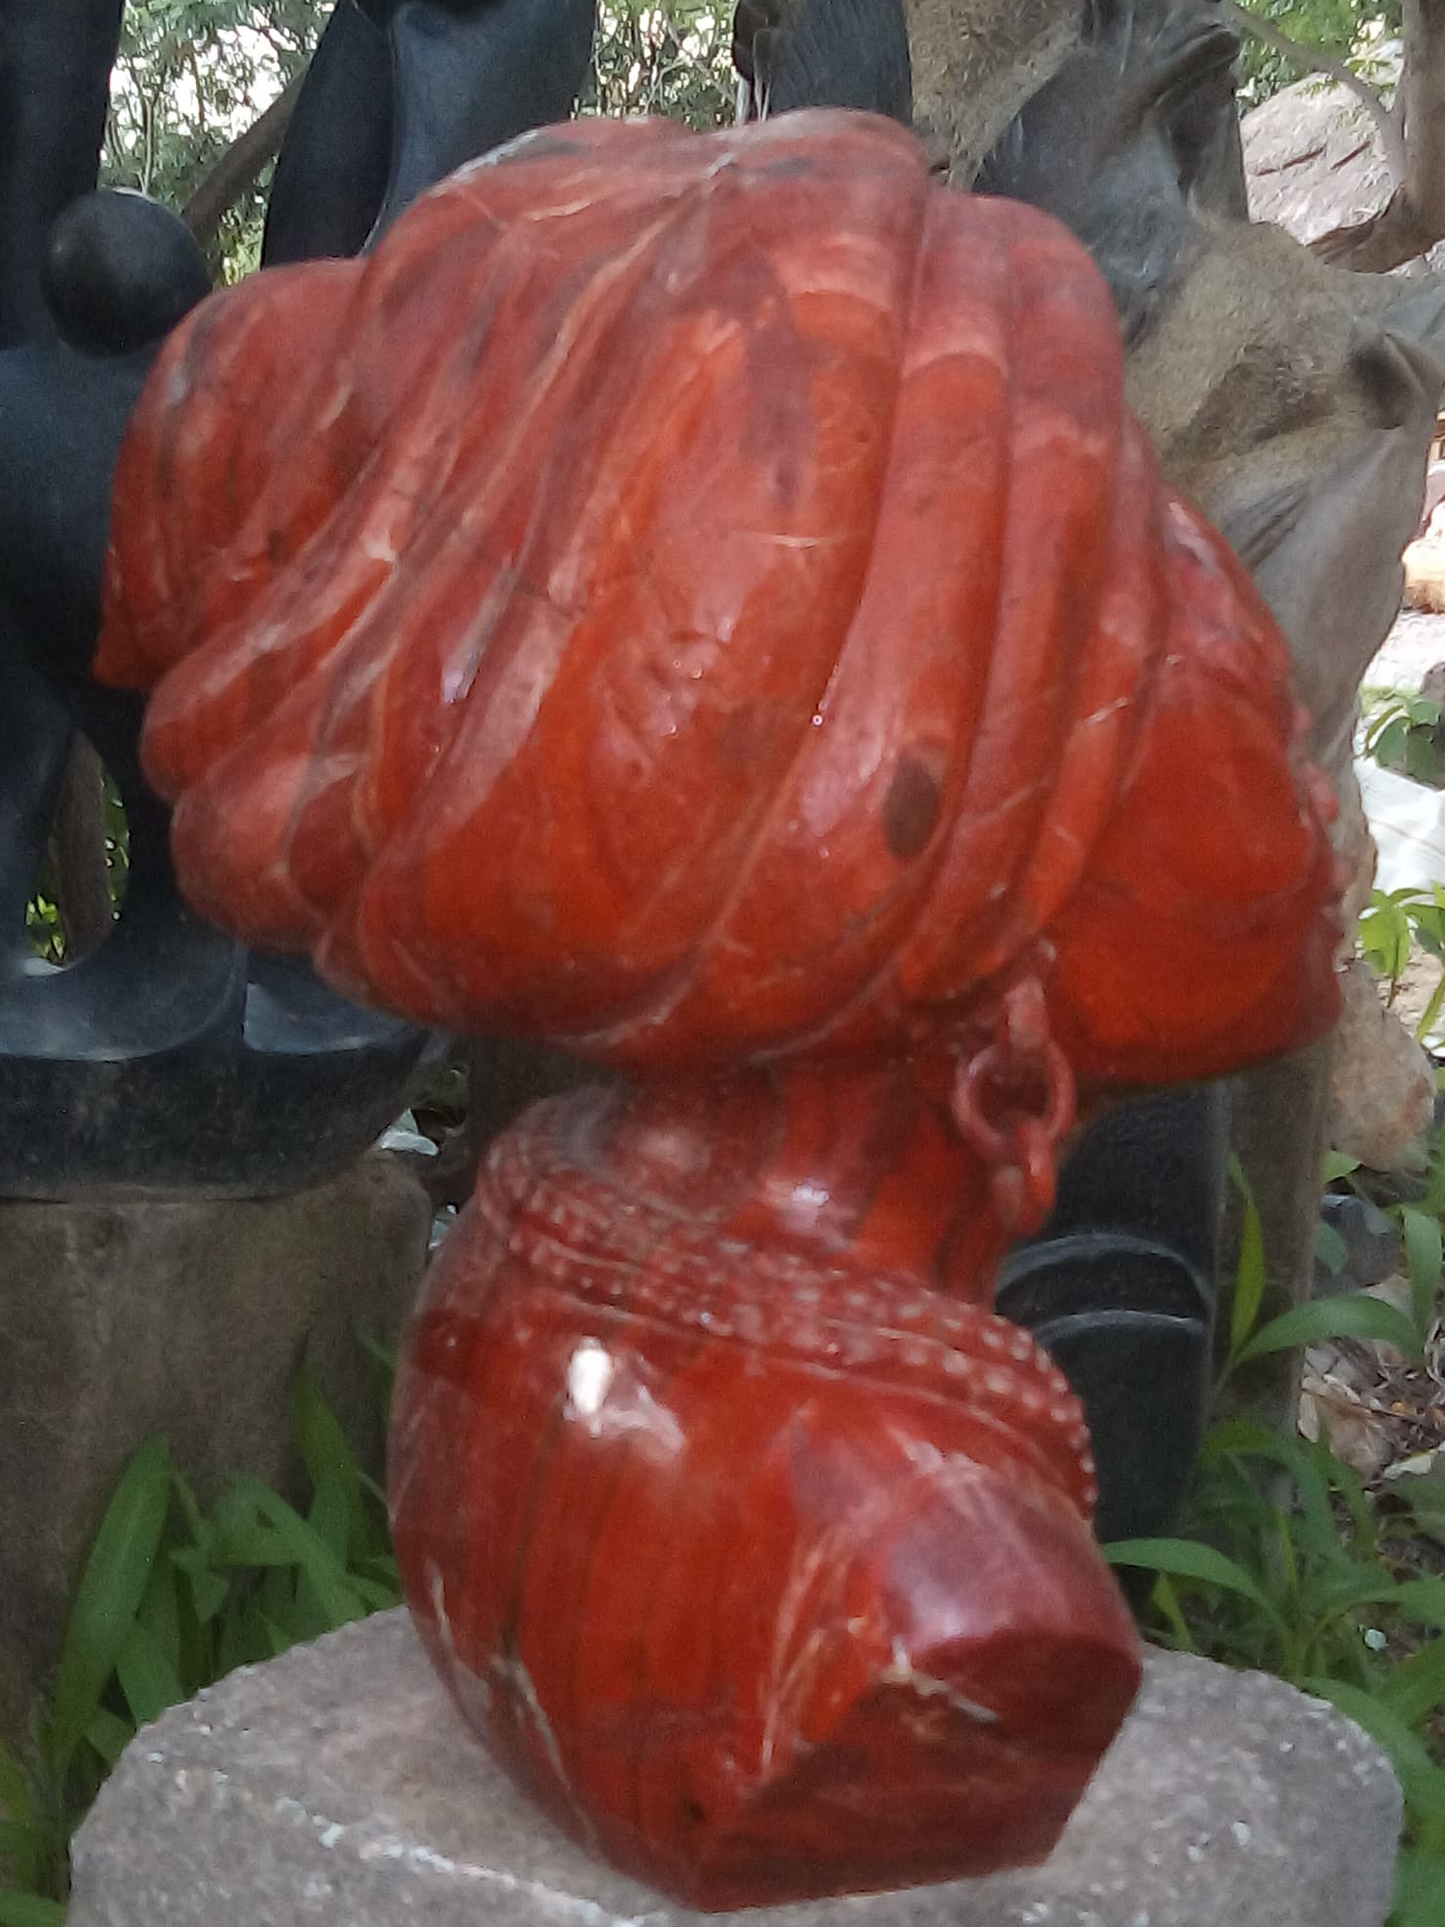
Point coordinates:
[[172, 1598], [1286, 1564]]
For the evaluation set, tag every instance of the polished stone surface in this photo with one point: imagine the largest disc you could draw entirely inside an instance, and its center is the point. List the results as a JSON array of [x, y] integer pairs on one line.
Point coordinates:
[[336, 1787]]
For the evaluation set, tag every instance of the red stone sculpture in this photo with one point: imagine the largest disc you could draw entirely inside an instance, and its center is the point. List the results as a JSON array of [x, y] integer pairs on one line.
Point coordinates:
[[704, 601]]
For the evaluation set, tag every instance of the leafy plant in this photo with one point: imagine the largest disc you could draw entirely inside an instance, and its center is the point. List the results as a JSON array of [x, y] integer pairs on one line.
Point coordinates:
[[1421, 1222], [1403, 733], [172, 1598], [670, 57], [1285, 1563], [45, 924], [1390, 927]]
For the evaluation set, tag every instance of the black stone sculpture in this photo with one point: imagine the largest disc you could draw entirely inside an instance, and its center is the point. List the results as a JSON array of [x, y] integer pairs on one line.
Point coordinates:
[[823, 53], [170, 1058], [400, 93]]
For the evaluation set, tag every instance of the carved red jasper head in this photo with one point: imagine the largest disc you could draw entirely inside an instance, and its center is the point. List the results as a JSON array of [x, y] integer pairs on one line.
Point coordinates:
[[705, 602], [705, 598]]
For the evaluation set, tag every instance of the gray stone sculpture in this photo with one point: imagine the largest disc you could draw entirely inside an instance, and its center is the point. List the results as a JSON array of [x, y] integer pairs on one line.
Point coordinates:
[[1295, 403]]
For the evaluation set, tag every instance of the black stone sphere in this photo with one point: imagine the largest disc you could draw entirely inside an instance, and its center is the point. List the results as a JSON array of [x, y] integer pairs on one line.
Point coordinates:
[[120, 271]]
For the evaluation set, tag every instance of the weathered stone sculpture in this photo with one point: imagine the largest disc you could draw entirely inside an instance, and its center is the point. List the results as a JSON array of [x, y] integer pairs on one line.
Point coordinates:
[[822, 53], [860, 745], [399, 93], [1296, 405]]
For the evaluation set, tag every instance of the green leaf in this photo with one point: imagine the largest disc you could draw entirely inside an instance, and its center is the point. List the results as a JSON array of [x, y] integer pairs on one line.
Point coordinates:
[[209, 1590], [1384, 934], [1417, 1685], [1430, 1015], [1166, 1600], [310, 1552], [1419, 1882], [330, 1516], [1249, 1277], [279, 1639], [1425, 1262], [109, 1596], [276, 1596], [1351, 1585], [1389, 744], [29, 1910], [109, 1734], [1308, 1469], [1331, 1251], [160, 1611], [1186, 1559], [1337, 1166], [246, 1545], [1408, 1755], [244, 1640], [1355, 1316], [378, 1595], [325, 1450], [1422, 1600], [147, 1676], [199, 1526]]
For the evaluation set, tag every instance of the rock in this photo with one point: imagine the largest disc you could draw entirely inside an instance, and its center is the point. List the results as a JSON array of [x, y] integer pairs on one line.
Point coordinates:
[[182, 1316], [336, 1786], [1382, 1091], [1371, 1244], [1425, 573], [1432, 683]]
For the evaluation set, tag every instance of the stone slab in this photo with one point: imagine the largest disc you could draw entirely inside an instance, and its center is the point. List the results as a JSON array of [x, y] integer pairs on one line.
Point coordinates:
[[336, 1788], [184, 1316]]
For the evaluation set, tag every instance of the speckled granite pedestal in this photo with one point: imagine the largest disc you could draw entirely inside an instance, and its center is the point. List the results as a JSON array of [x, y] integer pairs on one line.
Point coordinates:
[[335, 1786]]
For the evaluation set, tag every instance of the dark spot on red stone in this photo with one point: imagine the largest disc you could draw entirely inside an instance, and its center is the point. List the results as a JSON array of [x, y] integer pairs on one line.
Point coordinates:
[[910, 811]]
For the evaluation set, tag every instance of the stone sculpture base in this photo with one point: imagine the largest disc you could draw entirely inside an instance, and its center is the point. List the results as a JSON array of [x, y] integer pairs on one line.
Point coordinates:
[[336, 1786], [186, 1317]]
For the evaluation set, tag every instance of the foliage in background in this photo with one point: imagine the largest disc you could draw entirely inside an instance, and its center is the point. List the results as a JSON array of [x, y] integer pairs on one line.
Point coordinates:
[[1349, 29], [672, 59], [192, 76], [173, 1597], [1392, 924], [1402, 732], [44, 922], [1285, 1563]]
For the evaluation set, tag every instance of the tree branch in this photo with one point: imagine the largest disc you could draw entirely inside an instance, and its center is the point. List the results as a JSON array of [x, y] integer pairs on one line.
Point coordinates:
[[239, 168], [1398, 233], [1413, 219], [1316, 60]]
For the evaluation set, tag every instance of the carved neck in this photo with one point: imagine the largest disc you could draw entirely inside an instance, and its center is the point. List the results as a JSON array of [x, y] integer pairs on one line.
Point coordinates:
[[861, 1168]]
